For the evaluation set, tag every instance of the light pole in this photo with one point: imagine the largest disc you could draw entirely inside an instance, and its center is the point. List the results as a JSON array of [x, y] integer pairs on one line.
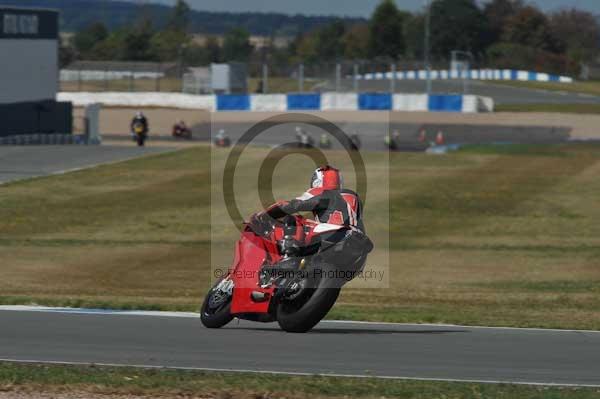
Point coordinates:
[[301, 78], [465, 76], [427, 44]]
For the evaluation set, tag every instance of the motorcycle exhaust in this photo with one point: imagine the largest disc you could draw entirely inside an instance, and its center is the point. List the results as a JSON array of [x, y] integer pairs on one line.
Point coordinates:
[[259, 297]]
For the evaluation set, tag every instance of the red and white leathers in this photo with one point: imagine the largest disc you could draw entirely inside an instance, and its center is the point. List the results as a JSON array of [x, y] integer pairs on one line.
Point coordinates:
[[328, 202]]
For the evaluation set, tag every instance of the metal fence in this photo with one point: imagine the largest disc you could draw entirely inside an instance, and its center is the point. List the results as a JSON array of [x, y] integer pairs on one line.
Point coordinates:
[[121, 76], [272, 77]]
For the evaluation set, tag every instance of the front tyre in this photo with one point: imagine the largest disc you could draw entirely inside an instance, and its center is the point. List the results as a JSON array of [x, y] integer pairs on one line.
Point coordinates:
[[301, 315], [216, 309]]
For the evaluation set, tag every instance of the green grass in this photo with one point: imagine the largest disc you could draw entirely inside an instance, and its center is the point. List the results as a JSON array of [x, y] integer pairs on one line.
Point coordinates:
[[554, 108], [512, 229], [141, 382], [587, 87], [564, 286], [529, 150]]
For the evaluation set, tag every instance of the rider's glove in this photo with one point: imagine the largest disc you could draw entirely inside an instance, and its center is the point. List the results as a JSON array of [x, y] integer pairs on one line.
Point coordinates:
[[260, 221]]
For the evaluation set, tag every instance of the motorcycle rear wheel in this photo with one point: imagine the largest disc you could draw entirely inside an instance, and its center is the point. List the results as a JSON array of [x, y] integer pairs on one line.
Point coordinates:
[[294, 319], [215, 317]]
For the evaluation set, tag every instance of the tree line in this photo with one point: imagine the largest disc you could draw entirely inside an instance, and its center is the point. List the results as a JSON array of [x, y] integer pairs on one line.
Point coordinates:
[[499, 33]]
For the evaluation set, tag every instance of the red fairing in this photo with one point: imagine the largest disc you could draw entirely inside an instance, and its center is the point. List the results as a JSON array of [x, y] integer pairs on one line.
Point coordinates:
[[251, 255]]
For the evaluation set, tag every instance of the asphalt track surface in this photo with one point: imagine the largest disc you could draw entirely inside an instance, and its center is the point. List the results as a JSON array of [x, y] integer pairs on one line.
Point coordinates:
[[372, 134], [336, 348], [502, 94], [23, 162]]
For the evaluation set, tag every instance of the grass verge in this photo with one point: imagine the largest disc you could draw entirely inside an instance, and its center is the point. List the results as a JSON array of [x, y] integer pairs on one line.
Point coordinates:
[[95, 380], [554, 108], [504, 237], [586, 87]]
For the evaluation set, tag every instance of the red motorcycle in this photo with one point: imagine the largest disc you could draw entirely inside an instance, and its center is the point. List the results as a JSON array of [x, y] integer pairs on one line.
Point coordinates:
[[288, 271], [181, 131]]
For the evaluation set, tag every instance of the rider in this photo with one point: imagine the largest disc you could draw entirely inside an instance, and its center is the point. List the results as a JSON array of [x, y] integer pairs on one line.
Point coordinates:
[[326, 199], [139, 118], [325, 141], [180, 129], [303, 138], [222, 139], [332, 207]]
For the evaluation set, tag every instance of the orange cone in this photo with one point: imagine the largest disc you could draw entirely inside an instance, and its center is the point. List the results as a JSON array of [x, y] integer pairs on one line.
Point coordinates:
[[422, 136], [439, 139]]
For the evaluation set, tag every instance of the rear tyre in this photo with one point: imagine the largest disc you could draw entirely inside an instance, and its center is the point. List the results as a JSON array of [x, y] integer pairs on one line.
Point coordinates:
[[300, 316], [216, 309], [141, 140]]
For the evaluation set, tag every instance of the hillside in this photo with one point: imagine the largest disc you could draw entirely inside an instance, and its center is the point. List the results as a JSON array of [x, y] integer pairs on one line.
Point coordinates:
[[76, 14]]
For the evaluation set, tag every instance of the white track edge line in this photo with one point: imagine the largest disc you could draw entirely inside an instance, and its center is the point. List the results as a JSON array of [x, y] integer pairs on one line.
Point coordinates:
[[302, 374], [192, 315]]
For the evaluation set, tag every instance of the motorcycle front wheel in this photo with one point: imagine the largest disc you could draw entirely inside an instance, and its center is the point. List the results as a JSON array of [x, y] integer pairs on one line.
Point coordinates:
[[303, 313], [216, 309]]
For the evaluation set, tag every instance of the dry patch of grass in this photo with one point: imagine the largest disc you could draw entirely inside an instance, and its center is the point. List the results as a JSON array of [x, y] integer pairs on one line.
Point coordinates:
[[477, 237]]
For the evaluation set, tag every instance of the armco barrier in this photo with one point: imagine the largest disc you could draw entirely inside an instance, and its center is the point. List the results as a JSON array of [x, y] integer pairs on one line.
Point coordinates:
[[233, 102], [410, 102], [446, 103], [375, 101], [290, 102], [474, 74], [339, 102], [268, 102], [304, 102]]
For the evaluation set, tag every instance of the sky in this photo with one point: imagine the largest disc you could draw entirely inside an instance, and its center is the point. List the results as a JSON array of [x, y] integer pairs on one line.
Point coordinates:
[[352, 8]]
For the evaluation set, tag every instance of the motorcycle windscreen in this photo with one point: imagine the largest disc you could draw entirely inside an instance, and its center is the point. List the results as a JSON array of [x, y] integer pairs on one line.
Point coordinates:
[[250, 256]]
